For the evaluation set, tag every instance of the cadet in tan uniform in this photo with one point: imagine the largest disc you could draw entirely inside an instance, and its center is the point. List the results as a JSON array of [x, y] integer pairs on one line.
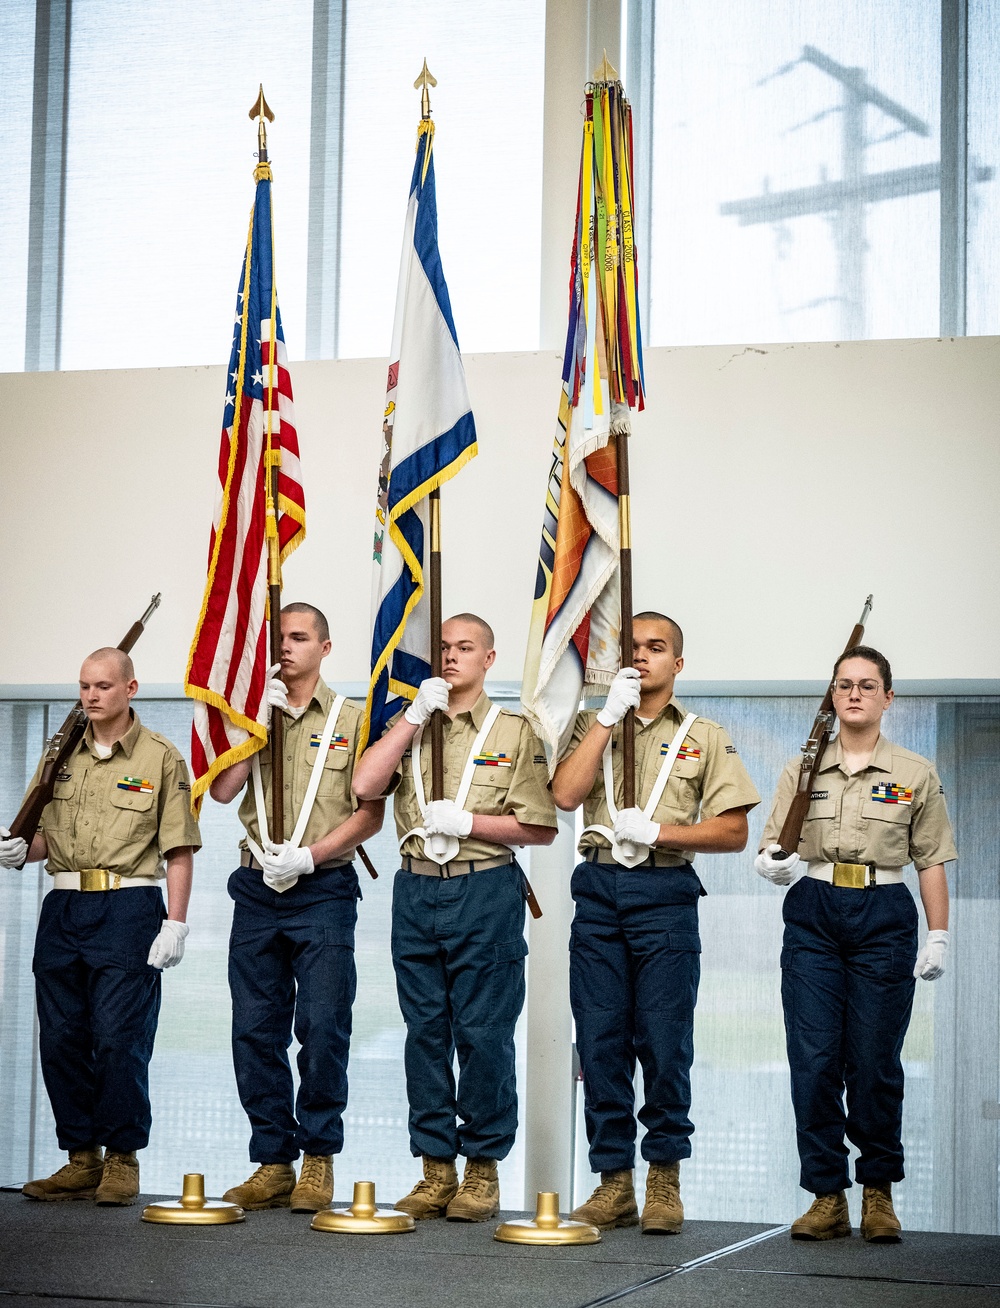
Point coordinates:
[[291, 951], [634, 947], [120, 820], [849, 959], [458, 942]]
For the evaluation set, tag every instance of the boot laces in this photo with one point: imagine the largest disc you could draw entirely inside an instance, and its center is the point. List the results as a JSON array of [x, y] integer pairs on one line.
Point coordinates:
[[661, 1186], [312, 1171], [116, 1167], [878, 1201], [825, 1204], [476, 1183], [264, 1172], [609, 1191]]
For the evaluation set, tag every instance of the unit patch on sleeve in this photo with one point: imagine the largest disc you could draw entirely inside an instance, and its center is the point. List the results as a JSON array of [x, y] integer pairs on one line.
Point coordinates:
[[731, 749], [540, 758], [493, 760], [336, 741], [891, 792], [140, 784], [686, 751], [184, 785]]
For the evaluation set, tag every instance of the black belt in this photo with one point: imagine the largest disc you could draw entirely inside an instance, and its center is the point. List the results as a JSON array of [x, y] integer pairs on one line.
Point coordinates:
[[655, 858]]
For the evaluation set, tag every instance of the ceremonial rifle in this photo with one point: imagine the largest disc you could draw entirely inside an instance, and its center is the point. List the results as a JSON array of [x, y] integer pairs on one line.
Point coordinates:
[[812, 755], [62, 745]]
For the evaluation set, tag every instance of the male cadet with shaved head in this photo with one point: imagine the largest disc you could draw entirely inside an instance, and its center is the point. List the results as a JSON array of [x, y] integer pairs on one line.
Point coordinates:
[[458, 942], [634, 947], [291, 951], [119, 821]]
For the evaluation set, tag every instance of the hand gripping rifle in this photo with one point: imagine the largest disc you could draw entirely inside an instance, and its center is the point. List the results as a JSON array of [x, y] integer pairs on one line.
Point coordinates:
[[62, 745], [812, 755]]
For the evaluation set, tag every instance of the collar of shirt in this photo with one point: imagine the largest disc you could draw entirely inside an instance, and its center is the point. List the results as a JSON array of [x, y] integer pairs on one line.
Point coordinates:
[[322, 697], [881, 759], [478, 711], [126, 744], [673, 709]]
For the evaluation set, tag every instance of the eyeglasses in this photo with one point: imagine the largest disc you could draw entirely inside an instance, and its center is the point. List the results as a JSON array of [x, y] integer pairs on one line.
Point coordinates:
[[867, 687]]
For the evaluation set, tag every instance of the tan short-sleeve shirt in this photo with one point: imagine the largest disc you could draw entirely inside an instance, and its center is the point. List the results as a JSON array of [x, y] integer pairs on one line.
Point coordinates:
[[303, 736], [509, 778], [890, 813], [121, 813], [707, 777]]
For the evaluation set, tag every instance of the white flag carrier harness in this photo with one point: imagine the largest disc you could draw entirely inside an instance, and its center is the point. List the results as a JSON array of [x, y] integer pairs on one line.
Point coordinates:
[[628, 854], [309, 799], [439, 848]]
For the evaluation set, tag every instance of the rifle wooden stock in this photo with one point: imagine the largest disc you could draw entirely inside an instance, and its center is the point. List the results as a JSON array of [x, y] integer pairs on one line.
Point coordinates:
[[62, 744], [812, 756]]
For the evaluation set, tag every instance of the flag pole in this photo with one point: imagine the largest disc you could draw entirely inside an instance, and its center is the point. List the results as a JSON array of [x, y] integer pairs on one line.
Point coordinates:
[[276, 733], [625, 582], [423, 84]]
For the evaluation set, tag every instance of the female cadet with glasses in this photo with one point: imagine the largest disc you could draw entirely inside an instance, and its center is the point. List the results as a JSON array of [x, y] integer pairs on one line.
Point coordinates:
[[849, 959]]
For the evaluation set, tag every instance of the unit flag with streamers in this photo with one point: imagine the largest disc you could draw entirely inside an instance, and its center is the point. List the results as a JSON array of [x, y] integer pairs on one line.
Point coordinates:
[[575, 618]]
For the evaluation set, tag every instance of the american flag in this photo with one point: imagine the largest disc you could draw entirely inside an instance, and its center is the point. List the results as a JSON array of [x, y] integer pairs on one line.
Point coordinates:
[[227, 666]]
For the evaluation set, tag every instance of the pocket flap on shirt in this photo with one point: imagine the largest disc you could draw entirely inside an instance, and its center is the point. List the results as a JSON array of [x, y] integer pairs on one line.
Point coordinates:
[[888, 812], [686, 941], [336, 759], [509, 951], [821, 808], [136, 800]]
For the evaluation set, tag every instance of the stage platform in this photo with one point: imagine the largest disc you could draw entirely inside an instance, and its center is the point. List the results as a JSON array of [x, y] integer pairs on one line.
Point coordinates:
[[76, 1254]]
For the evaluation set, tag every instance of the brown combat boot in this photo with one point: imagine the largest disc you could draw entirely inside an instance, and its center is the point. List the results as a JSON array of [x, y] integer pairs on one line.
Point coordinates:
[[120, 1183], [270, 1186], [663, 1212], [878, 1217], [478, 1197], [431, 1196], [827, 1219], [315, 1184], [78, 1179], [612, 1203]]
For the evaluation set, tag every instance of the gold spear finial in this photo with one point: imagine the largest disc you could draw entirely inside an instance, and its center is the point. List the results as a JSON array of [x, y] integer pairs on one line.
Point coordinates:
[[423, 83], [261, 111], [605, 73]]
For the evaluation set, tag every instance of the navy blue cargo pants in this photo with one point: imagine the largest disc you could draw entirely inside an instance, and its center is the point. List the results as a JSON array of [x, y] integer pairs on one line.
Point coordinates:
[[847, 990], [458, 948], [291, 967], [98, 1004], [634, 968]]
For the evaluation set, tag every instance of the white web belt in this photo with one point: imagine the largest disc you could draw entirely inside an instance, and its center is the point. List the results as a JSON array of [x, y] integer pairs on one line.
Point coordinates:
[[439, 848], [305, 812], [627, 853]]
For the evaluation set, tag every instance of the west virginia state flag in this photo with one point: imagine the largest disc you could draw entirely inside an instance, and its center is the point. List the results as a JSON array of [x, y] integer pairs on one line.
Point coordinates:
[[429, 433]]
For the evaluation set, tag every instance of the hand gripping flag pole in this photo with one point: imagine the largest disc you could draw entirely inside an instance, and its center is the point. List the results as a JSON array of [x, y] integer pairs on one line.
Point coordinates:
[[581, 624]]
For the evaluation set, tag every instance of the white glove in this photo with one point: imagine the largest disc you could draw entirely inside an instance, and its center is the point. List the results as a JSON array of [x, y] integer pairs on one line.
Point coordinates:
[[930, 960], [167, 949], [623, 694], [444, 817], [780, 871], [432, 695], [13, 850], [284, 864], [633, 827], [275, 692]]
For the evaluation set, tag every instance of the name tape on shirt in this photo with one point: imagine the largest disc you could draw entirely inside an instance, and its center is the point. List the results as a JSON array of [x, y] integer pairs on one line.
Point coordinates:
[[336, 741], [139, 784], [685, 751], [890, 792], [485, 760], [820, 794]]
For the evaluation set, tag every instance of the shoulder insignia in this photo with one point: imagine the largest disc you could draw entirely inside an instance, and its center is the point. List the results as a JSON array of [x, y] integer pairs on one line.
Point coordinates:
[[891, 792], [731, 749], [540, 758], [183, 785], [940, 790], [820, 794]]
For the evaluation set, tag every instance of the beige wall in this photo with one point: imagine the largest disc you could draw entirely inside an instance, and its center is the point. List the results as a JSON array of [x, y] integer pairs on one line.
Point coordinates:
[[876, 463]]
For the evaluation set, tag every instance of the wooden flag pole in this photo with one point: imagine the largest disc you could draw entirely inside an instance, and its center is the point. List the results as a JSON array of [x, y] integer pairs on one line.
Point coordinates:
[[625, 582], [434, 599], [276, 733]]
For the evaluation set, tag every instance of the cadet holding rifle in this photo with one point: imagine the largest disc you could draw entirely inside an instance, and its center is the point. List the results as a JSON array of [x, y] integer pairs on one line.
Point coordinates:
[[117, 819], [849, 959]]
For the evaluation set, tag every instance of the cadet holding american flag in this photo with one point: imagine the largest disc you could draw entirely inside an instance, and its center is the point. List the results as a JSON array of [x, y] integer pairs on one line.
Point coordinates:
[[291, 955]]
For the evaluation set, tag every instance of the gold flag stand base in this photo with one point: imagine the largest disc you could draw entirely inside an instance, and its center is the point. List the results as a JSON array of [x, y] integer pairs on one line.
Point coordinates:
[[192, 1208], [362, 1218], [547, 1227]]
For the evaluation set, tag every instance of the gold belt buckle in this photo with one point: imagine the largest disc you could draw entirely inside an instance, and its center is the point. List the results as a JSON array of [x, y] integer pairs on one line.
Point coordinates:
[[95, 878], [850, 875]]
